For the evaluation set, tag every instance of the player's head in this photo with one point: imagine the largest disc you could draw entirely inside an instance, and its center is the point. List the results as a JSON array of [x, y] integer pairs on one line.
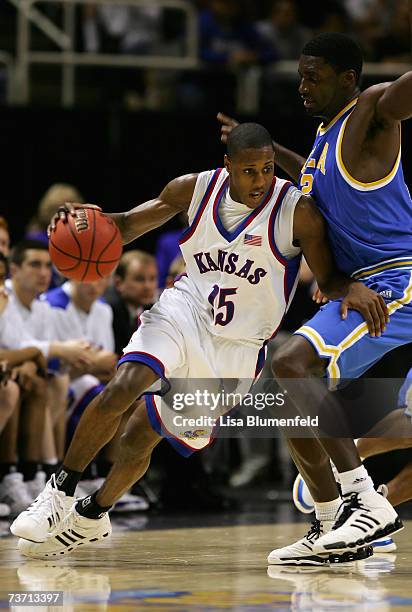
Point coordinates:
[[330, 67], [30, 267], [136, 278], [250, 162], [4, 237]]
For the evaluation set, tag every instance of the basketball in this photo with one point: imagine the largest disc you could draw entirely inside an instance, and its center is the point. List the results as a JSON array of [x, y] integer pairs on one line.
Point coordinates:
[[86, 247]]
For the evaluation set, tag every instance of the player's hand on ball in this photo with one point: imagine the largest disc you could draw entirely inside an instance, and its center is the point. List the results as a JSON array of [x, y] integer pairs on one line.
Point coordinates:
[[371, 306], [69, 208], [228, 123]]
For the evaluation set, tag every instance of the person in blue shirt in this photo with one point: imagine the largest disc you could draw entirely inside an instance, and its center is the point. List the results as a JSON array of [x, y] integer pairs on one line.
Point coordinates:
[[355, 176]]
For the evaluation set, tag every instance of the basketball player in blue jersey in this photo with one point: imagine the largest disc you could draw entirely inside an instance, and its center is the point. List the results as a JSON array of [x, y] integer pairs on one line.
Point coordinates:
[[242, 261], [355, 175]]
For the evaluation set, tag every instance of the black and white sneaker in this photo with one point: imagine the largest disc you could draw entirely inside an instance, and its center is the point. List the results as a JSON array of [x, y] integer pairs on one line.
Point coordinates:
[[74, 531], [302, 551], [362, 518]]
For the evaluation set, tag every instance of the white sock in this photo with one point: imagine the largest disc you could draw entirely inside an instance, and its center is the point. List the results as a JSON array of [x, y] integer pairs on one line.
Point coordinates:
[[326, 511], [355, 481]]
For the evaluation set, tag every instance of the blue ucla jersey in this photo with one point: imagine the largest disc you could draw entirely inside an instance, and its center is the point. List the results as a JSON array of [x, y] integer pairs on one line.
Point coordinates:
[[370, 224]]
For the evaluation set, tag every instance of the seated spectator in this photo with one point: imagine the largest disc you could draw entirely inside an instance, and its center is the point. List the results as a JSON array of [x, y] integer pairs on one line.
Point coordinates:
[[228, 39], [81, 314], [395, 44], [30, 276], [55, 196], [4, 237], [283, 31], [134, 290]]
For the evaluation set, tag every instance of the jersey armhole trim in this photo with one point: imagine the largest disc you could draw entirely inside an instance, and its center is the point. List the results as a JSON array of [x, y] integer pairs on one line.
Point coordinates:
[[359, 185], [209, 190]]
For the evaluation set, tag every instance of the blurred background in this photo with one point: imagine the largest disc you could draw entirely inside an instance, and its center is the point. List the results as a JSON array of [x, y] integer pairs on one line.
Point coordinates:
[[105, 102]]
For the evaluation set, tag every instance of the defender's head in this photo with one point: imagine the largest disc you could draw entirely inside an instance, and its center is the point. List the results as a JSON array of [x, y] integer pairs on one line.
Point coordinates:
[[250, 162], [330, 67]]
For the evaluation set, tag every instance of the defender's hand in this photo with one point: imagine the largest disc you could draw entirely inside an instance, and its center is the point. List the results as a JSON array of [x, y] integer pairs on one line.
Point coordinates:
[[228, 123], [68, 209], [371, 306], [318, 296]]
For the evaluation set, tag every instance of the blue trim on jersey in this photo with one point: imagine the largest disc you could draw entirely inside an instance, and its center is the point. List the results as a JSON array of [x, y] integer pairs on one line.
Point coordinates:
[[230, 236], [157, 426], [271, 224], [80, 408], [152, 362], [188, 232], [261, 359], [57, 298], [291, 265]]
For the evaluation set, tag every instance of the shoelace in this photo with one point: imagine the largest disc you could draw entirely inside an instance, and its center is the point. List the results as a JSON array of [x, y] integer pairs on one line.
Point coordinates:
[[65, 525], [314, 531], [53, 498], [347, 508]]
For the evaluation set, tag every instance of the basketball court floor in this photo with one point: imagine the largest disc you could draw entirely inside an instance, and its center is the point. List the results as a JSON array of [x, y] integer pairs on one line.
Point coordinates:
[[203, 563]]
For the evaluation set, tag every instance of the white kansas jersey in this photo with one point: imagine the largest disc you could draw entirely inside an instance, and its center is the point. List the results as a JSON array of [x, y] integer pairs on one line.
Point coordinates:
[[241, 268]]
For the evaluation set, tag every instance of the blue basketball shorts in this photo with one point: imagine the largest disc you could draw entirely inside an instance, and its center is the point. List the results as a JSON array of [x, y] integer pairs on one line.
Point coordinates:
[[347, 345]]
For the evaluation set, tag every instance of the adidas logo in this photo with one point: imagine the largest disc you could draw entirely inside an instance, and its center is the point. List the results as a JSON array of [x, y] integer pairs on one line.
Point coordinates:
[[61, 477], [86, 501]]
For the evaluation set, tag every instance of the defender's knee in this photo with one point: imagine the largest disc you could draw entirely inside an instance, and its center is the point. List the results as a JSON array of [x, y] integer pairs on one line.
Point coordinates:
[[286, 363]]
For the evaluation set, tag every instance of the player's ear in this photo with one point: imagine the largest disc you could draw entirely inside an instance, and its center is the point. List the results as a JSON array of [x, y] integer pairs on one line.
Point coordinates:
[[228, 164]]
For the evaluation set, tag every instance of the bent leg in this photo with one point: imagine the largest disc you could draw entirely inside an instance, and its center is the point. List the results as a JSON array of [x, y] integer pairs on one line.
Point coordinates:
[[292, 364], [135, 449], [102, 417], [400, 487]]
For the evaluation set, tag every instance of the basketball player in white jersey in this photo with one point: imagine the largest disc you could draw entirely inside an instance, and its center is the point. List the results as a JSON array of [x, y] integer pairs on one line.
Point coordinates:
[[242, 252]]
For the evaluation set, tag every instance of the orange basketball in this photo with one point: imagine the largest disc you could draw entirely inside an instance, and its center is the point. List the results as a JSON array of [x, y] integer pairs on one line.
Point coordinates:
[[86, 247]]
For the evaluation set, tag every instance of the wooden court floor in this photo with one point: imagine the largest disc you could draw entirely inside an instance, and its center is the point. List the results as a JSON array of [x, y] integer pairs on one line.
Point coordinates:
[[214, 568]]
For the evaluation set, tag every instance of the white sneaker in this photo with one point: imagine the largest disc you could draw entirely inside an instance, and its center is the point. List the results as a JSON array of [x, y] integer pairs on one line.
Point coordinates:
[[47, 511], [248, 471], [36, 486], [302, 498], [302, 551], [14, 493], [74, 531], [362, 518], [4, 510]]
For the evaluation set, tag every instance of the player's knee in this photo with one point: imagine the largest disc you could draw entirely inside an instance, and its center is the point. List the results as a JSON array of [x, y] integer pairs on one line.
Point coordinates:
[[131, 380], [286, 364]]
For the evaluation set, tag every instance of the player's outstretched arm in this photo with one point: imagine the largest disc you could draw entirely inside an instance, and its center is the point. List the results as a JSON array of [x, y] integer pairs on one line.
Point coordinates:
[[309, 229], [286, 159], [174, 198], [395, 103]]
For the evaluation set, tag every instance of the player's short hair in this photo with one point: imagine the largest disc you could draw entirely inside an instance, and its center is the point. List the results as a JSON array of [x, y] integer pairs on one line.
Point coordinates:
[[18, 252], [247, 136], [338, 50], [134, 255]]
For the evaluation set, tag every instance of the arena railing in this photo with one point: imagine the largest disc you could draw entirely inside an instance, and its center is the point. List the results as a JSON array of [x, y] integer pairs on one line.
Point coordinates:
[[6, 60], [29, 14]]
